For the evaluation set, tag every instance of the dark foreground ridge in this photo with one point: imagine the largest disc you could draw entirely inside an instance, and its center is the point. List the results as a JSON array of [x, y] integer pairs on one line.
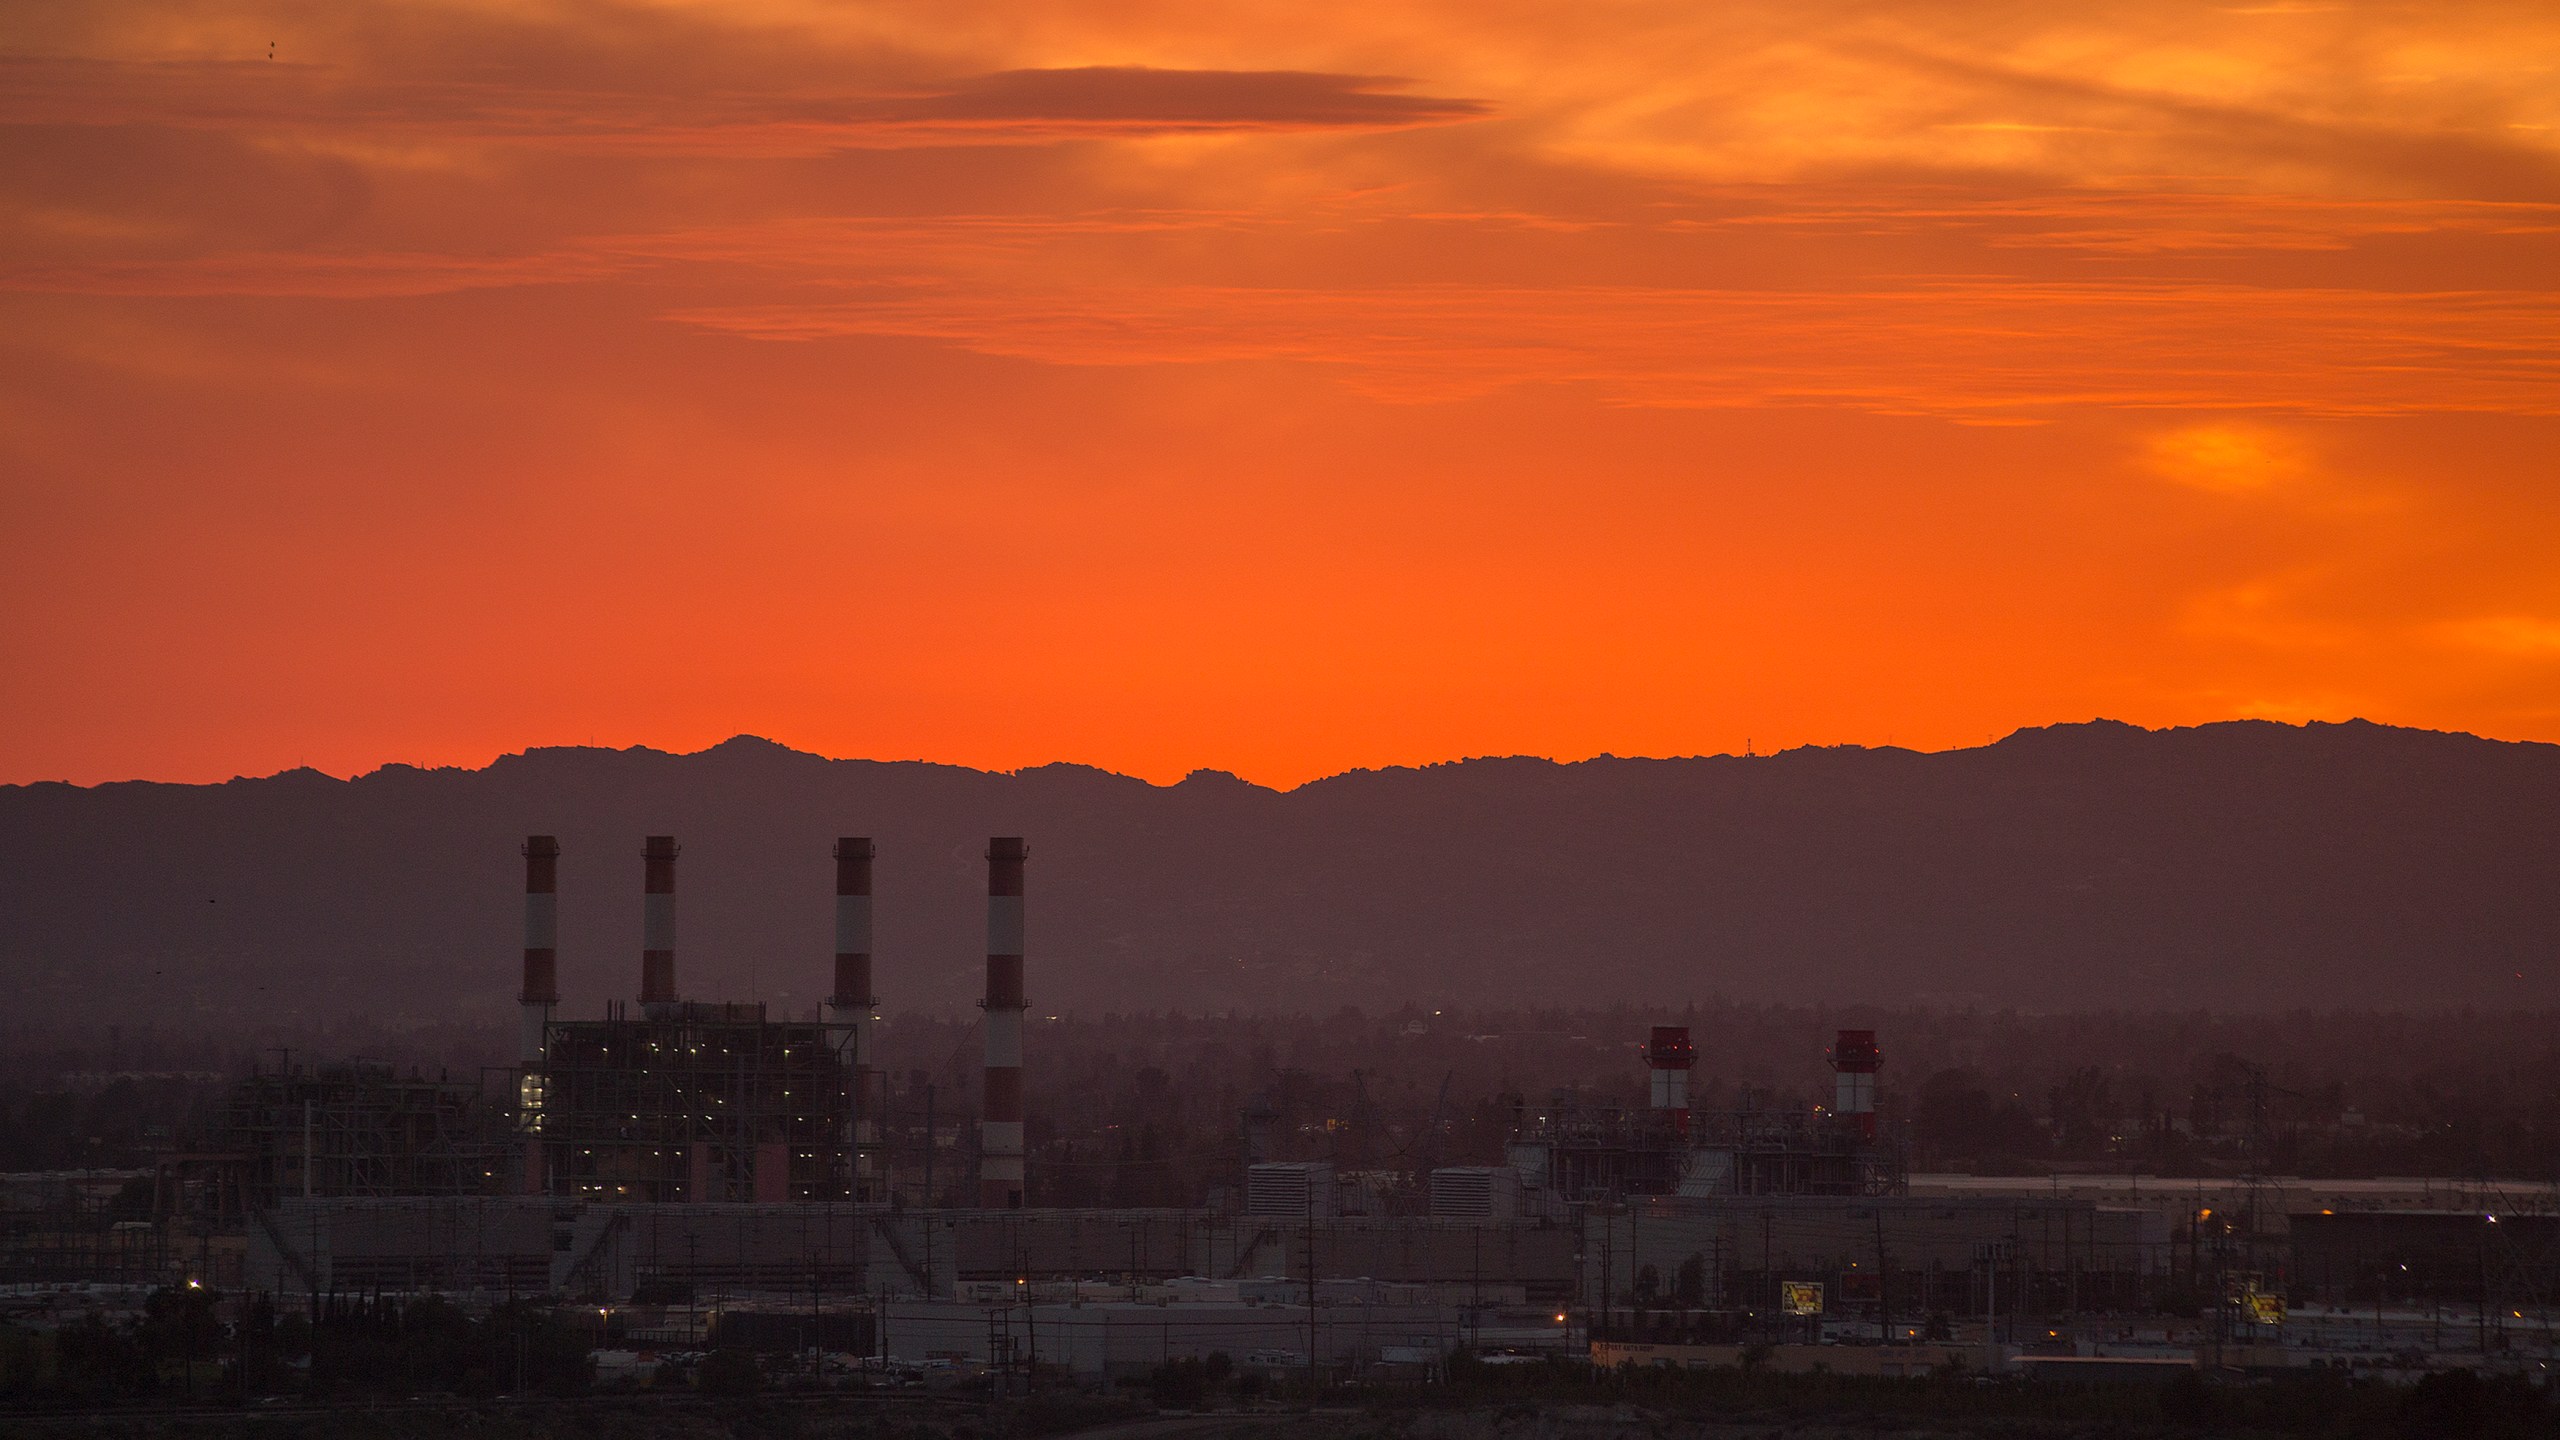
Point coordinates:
[[2240, 866], [1554, 1400]]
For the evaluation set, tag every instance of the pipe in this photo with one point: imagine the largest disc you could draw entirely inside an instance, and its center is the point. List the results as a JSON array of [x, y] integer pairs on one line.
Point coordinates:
[[1000, 1129]]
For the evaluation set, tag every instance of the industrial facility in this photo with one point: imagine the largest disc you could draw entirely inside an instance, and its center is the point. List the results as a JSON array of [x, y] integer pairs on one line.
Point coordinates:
[[1580, 1154], [676, 1146], [684, 1164], [679, 1100]]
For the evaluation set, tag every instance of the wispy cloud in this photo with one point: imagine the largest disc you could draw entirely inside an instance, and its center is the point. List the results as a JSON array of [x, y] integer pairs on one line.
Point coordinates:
[[1013, 107], [2227, 458], [313, 274], [2124, 220], [1946, 349], [2531, 637], [1113, 98]]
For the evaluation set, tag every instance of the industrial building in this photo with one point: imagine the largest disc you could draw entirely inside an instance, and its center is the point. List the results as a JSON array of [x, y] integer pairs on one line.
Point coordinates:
[[662, 1100], [668, 1099], [676, 1145], [679, 1100], [2040, 1256], [356, 1128], [2504, 1259], [618, 1254], [1580, 1153], [686, 1169]]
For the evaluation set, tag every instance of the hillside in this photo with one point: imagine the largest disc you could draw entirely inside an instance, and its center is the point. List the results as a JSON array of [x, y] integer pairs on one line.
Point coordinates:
[[2237, 866]]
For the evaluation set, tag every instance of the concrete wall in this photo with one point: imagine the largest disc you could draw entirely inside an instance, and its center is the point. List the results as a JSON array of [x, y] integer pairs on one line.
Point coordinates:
[[617, 1252]]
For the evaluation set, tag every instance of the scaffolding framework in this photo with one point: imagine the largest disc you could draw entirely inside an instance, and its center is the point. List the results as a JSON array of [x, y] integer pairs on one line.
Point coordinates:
[[361, 1129], [691, 1103]]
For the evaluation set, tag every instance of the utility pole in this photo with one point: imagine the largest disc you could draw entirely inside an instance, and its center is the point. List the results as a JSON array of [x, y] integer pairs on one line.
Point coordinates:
[[1884, 1284], [1768, 1277], [1990, 1254], [1608, 1266], [2483, 1255], [1030, 1313], [1311, 1286], [1475, 1294]]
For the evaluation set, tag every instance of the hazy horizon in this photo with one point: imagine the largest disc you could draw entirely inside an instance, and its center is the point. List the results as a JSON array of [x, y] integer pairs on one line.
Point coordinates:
[[1166, 782]]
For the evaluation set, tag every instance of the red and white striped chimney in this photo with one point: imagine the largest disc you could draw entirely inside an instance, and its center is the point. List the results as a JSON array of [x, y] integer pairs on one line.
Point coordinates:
[[852, 1007], [541, 945], [1670, 1056], [540, 995], [658, 921], [1854, 1063], [1000, 1132]]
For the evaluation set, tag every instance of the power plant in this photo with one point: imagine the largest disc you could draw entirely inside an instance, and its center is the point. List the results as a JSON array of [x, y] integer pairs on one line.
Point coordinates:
[[675, 1100], [670, 1100], [684, 1100], [675, 1157]]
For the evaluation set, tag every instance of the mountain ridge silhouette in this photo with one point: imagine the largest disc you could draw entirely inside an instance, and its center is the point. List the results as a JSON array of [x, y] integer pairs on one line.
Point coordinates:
[[2243, 865]]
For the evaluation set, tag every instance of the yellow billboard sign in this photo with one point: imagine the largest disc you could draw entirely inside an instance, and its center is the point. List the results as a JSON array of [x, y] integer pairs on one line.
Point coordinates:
[[1800, 1297]]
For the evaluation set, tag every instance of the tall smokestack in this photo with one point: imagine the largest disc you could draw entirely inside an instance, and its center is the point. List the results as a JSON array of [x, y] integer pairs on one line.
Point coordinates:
[[1669, 1055], [541, 945], [1000, 1134], [535, 1002], [851, 1006], [1854, 1063], [658, 921]]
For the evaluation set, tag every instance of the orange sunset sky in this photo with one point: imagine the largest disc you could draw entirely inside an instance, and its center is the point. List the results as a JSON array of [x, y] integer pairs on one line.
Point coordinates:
[[1279, 388]]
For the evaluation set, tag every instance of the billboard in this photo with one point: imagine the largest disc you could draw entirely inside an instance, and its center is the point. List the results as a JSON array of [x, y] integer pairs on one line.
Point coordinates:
[[1800, 1297]]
